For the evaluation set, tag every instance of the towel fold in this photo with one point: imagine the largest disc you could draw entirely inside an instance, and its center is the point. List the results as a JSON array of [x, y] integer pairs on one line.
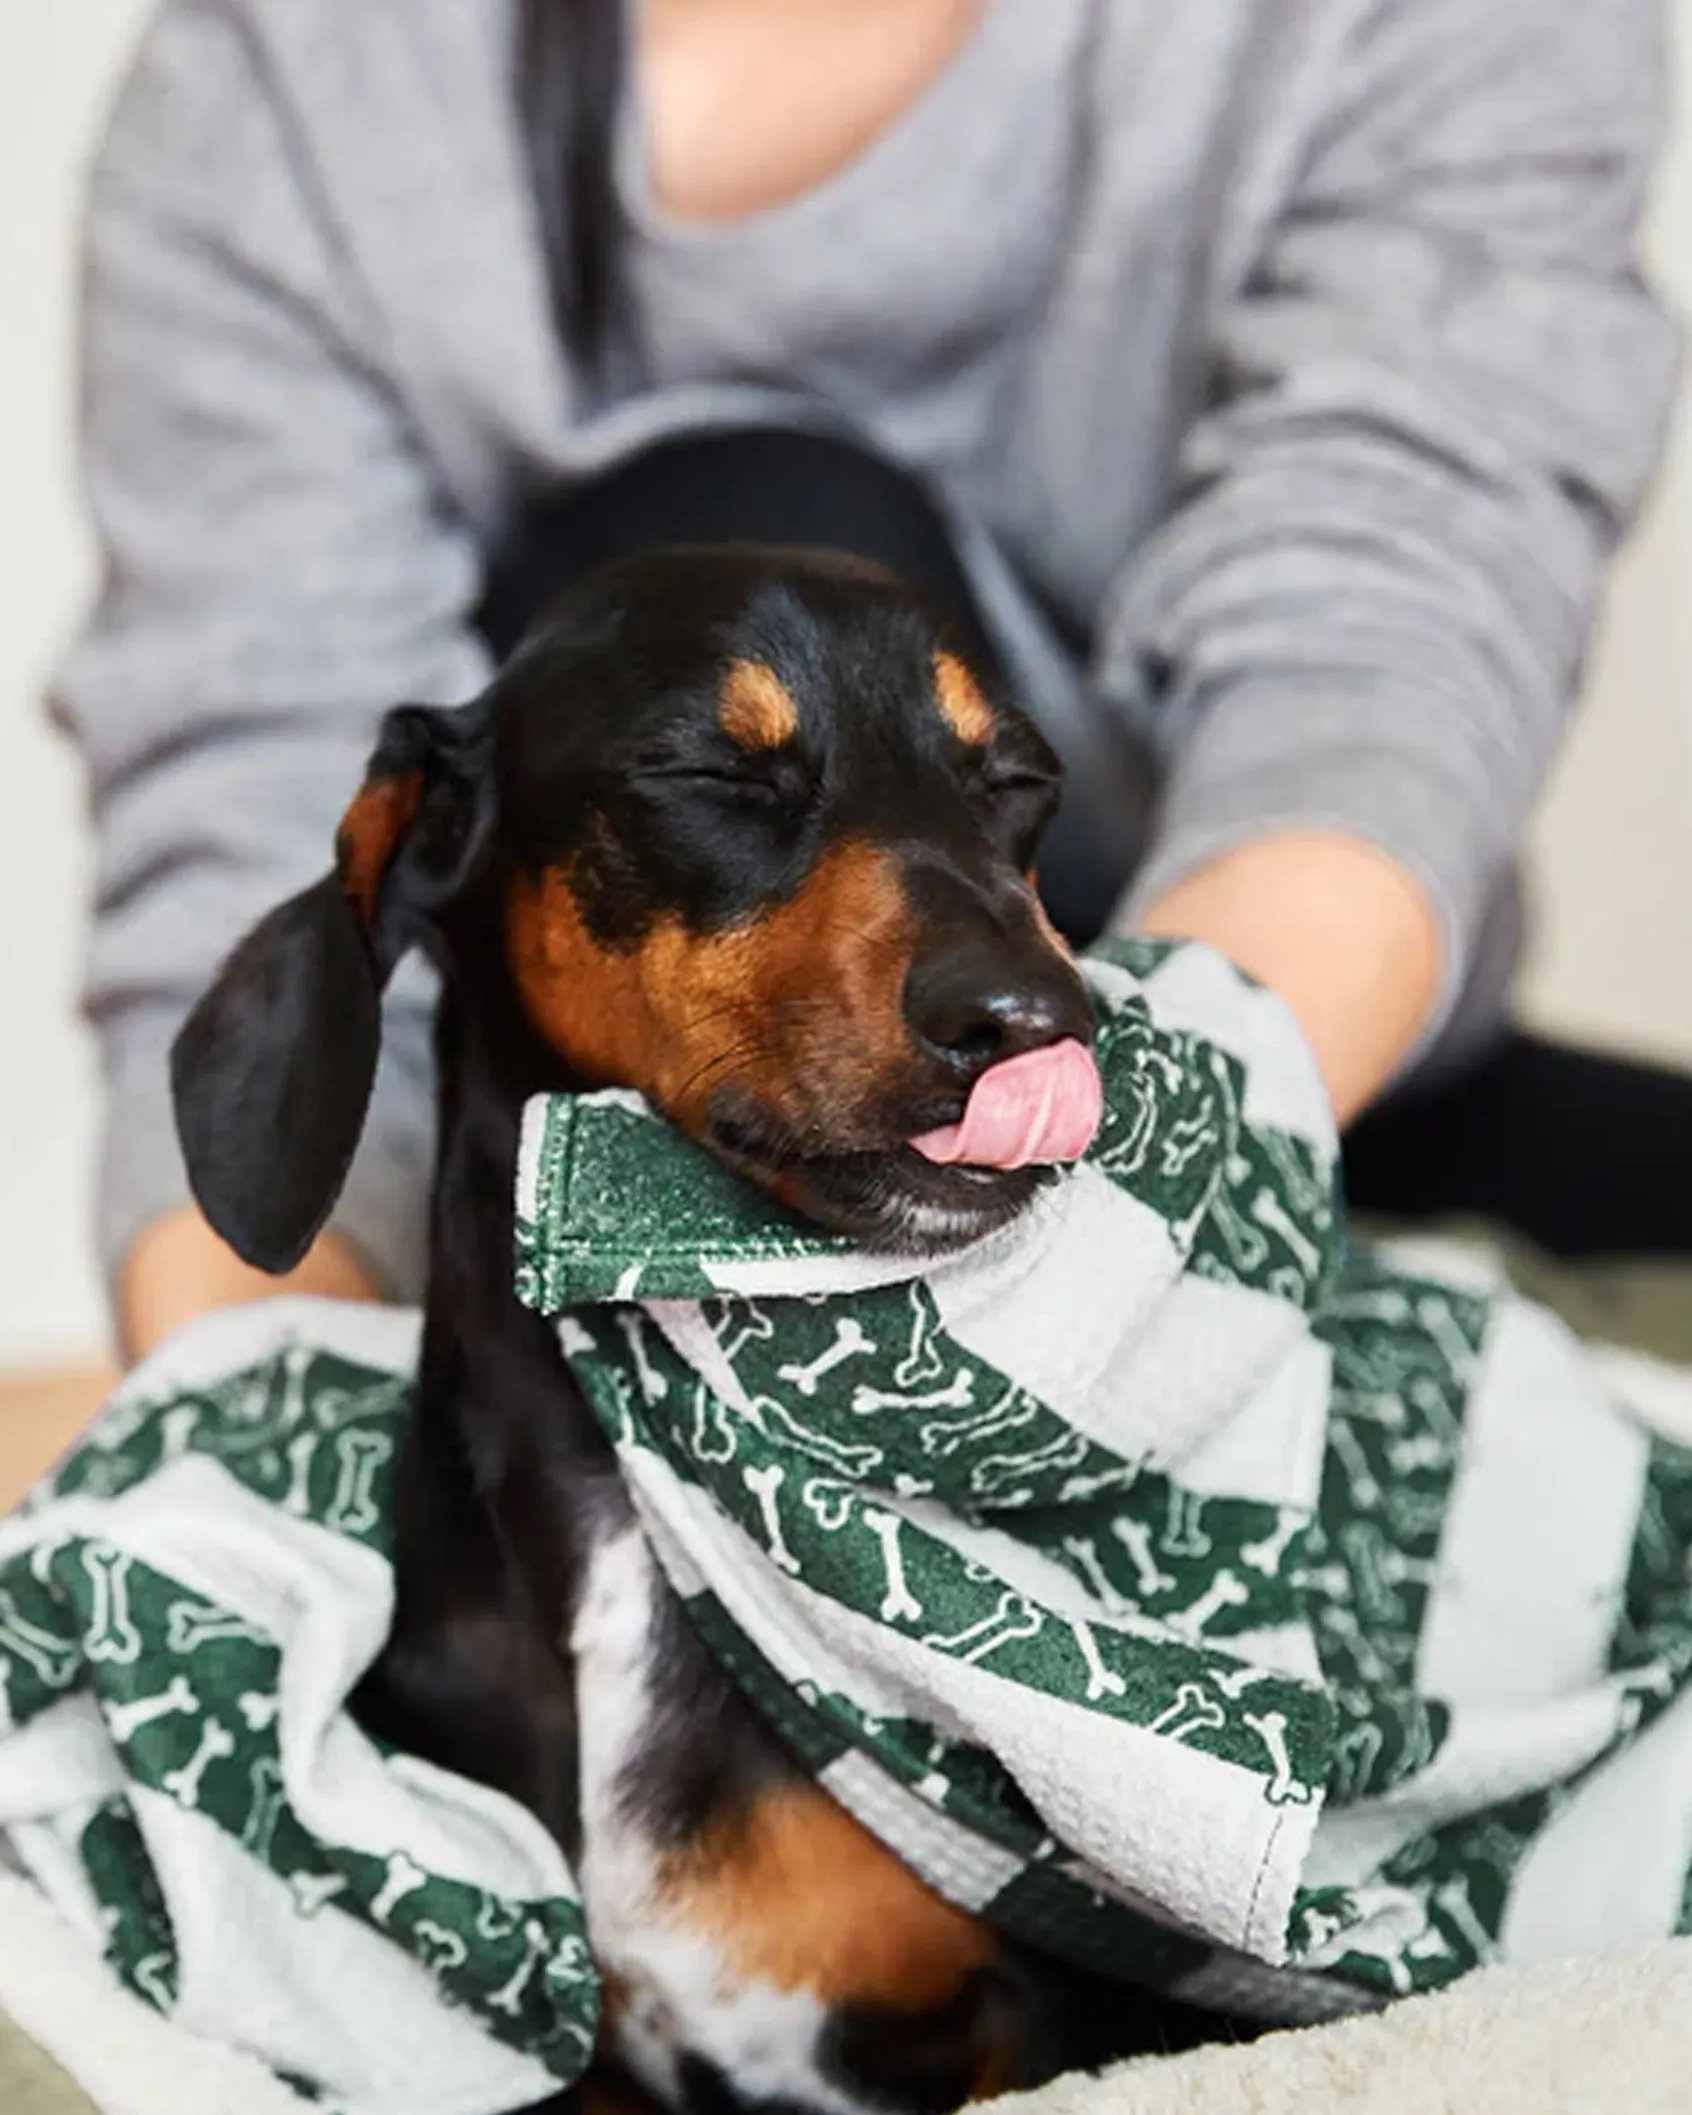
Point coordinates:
[[1276, 1622]]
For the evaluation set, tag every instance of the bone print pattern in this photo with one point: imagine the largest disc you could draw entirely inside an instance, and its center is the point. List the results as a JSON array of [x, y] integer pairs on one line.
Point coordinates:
[[275, 1428], [1171, 1573], [140, 1944], [1405, 1353], [861, 1443], [189, 1690], [1162, 1552]]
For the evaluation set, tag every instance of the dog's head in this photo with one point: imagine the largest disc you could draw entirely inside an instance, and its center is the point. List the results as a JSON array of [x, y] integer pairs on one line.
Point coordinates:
[[744, 832]]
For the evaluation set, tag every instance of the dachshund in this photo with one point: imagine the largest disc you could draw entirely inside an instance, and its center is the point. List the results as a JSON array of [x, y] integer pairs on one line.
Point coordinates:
[[748, 830]]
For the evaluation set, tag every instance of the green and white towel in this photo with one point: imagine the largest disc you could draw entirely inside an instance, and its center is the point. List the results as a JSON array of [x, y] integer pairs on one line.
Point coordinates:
[[1265, 1621], [1174, 1586], [185, 1606]]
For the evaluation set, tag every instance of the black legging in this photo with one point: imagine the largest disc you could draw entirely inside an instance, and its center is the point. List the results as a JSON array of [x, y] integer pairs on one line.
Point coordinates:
[[1586, 1156]]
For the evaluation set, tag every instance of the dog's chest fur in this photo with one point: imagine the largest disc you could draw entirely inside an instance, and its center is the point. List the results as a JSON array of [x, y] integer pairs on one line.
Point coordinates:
[[675, 1998]]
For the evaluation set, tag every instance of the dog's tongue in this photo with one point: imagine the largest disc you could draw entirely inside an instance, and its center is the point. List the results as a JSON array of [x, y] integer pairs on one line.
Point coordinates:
[[1042, 1106]]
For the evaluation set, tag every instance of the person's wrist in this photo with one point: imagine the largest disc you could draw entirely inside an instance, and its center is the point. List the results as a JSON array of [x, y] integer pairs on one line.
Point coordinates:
[[1347, 937], [177, 1269]]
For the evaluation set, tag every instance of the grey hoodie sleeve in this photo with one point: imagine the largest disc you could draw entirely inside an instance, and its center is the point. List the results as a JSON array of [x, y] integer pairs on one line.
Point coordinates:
[[1437, 391], [237, 438]]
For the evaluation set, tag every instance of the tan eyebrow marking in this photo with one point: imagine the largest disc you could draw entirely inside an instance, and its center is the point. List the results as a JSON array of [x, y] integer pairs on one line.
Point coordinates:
[[382, 810], [756, 707], [966, 711]]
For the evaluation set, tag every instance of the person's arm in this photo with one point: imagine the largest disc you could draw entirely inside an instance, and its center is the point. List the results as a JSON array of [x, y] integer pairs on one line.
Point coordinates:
[[280, 564], [1436, 394], [1342, 933]]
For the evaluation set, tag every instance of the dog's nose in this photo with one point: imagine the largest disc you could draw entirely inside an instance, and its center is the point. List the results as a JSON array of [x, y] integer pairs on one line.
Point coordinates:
[[972, 1008]]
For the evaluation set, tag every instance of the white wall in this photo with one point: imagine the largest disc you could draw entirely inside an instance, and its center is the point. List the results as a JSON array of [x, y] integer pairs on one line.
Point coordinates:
[[1612, 962], [57, 61], [1614, 854]]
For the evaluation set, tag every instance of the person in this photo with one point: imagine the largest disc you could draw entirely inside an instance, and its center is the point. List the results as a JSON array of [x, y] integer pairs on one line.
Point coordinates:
[[1279, 367]]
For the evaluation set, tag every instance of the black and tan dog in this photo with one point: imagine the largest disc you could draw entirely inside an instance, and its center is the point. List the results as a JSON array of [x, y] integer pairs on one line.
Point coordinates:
[[740, 829]]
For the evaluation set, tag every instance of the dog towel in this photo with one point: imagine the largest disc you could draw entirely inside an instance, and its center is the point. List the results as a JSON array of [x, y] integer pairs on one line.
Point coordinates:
[[1278, 1625], [1160, 1578], [186, 1605]]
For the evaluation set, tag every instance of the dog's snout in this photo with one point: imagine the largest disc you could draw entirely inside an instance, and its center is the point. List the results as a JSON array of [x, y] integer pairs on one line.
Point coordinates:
[[973, 1007]]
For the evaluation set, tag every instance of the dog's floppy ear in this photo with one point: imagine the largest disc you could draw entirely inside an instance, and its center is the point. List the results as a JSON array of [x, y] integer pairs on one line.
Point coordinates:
[[272, 1071]]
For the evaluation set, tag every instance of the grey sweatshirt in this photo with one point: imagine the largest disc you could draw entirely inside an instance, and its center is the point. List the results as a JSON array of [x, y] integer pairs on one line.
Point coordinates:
[[1281, 363]]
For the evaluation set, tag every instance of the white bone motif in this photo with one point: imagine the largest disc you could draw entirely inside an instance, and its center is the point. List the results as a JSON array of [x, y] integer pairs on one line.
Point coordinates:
[[829, 1504], [42, 1553], [1014, 1618], [49, 1657], [958, 1394], [575, 1339], [312, 1890], [217, 1743], [653, 1385], [941, 1435], [1270, 1554], [1283, 1789], [497, 1919], [1183, 1534], [850, 1341], [999, 1473], [713, 1434], [1324, 1582], [1421, 1454], [1365, 1491], [1234, 1682], [192, 1624], [898, 1604], [361, 1454], [176, 1430], [1435, 1315], [1192, 1712], [442, 1950], [1381, 1568], [743, 1322], [1135, 1537], [269, 1798], [1385, 1306], [1101, 1680], [851, 1458], [112, 1637], [1452, 1896], [907, 1486], [1245, 1242], [126, 1720], [923, 1361], [1224, 1591], [764, 1484], [1269, 1212], [1357, 1751], [508, 1999], [1086, 1555], [296, 1364], [257, 1710], [297, 1499], [404, 1878], [1341, 1622]]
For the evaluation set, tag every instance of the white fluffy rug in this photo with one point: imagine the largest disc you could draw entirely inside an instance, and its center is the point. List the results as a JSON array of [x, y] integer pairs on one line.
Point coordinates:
[[1568, 2038], [1605, 2037]]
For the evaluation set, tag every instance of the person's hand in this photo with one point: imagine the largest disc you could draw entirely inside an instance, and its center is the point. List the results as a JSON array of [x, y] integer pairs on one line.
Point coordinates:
[[177, 1269], [1345, 936]]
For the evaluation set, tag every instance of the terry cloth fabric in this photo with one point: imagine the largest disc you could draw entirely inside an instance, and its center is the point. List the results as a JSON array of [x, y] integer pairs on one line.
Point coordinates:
[[1264, 1619], [1265, 1622], [186, 1605]]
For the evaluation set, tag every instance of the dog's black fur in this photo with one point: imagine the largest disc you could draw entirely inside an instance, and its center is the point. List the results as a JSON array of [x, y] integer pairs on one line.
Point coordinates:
[[741, 829]]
